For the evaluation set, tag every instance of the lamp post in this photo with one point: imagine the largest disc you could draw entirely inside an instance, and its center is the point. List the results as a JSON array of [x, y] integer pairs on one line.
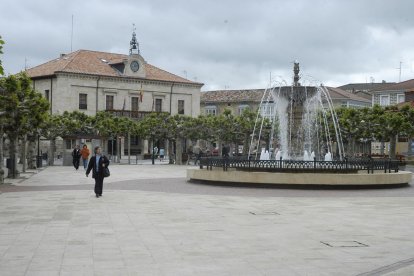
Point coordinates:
[[38, 157], [153, 148], [1, 150]]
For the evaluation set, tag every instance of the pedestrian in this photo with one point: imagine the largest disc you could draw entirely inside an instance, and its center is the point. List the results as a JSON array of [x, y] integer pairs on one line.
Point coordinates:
[[85, 156], [98, 164], [225, 151], [161, 154], [76, 155], [199, 155]]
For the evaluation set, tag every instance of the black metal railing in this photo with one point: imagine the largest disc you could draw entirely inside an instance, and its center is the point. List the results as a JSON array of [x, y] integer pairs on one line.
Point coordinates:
[[337, 166], [139, 115]]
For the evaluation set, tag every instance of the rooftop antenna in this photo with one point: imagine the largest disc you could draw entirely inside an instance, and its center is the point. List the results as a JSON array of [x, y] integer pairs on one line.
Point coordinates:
[[71, 36], [400, 69]]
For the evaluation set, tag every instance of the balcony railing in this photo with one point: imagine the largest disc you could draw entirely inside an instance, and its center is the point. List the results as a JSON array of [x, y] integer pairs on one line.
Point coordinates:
[[139, 115]]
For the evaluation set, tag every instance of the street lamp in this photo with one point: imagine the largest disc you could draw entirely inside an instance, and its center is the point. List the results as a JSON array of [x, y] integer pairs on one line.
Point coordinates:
[[153, 148]]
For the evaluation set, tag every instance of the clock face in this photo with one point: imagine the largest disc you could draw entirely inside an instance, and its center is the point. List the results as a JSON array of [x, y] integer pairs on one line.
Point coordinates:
[[134, 66]]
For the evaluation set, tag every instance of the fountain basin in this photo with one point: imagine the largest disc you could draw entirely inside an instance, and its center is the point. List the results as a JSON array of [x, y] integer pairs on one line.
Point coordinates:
[[361, 179]]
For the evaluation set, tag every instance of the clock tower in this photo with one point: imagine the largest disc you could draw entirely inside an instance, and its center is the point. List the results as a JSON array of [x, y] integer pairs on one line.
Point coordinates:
[[135, 64]]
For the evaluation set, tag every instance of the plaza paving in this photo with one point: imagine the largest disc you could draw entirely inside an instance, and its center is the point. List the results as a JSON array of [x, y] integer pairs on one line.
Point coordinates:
[[150, 221]]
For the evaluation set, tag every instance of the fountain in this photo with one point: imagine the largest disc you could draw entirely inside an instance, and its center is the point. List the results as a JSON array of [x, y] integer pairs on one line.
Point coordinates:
[[303, 129], [301, 121]]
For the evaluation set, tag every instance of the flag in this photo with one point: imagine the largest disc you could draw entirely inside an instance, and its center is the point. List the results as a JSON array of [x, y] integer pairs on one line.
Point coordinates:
[[141, 94]]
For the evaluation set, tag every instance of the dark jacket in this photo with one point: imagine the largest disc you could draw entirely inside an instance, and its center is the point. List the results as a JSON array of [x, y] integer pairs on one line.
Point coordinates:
[[92, 165], [76, 153]]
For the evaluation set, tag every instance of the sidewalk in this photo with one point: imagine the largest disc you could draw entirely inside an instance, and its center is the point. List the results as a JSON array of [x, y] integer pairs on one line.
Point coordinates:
[[134, 232]]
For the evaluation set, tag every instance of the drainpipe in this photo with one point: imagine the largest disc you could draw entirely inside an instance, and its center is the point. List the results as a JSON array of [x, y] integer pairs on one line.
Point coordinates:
[[51, 94], [97, 86], [172, 85]]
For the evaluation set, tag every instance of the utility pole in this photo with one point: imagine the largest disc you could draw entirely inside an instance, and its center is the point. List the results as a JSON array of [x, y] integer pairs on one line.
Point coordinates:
[[400, 69], [71, 36]]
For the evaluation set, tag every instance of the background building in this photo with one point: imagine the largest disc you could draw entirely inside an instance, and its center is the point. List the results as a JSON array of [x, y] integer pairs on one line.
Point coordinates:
[[392, 94], [215, 102], [363, 89]]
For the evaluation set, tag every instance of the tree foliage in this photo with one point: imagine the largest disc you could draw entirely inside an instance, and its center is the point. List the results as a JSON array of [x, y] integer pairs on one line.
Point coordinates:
[[376, 123], [1, 52], [25, 109]]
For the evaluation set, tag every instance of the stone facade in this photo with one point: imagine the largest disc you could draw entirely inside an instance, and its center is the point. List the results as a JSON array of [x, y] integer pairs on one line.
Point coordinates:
[[63, 91]]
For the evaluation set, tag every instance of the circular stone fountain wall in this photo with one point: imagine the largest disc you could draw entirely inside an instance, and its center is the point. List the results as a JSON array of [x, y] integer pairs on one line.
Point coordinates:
[[231, 176]]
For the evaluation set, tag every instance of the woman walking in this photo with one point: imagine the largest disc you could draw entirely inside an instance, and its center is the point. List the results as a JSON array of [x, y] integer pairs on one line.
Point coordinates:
[[98, 164], [85, 155]]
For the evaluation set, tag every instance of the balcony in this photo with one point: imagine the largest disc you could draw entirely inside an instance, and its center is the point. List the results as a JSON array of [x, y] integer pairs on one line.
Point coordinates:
[[138, 115]]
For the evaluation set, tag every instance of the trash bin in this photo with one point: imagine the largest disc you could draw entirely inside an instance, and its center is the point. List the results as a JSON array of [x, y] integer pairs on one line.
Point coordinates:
[[9, 163], [11, 166], [39, 161]]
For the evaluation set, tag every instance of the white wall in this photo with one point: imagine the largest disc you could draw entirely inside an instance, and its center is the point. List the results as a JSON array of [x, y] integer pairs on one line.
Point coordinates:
[[67, 87]]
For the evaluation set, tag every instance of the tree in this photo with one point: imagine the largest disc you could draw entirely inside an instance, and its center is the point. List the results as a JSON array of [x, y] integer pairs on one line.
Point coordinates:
[[25, 110], [157, 126], [1, 119], [394, 123], [53, 128], [245, 123], [1, 52], [61, 125], [350, 121]]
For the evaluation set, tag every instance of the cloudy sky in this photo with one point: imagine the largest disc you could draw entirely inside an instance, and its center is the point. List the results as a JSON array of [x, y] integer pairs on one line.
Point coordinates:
[[231, 44]]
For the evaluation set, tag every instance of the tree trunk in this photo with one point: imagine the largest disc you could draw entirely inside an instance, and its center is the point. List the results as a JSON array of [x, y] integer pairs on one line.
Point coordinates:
[[171, 151], [246, 145], [220, 147], [31, 159], [52, 152], [20, 151], [129, 148], [179, 152], [382, 147], [24, 153], [1, 156], [349, 147], [393, 144], [13, 171]]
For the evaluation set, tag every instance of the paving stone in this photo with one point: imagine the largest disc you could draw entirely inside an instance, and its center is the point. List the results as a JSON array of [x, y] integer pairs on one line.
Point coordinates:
[[166, 226]]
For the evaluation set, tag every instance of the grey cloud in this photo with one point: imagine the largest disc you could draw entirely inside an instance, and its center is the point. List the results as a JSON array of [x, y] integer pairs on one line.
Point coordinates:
[[230, 43]]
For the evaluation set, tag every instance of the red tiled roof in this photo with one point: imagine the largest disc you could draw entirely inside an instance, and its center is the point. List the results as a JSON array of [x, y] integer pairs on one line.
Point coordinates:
[[255, 95], [98, 63], [248, 95], [405, 85], [365, 86], [338, 93]]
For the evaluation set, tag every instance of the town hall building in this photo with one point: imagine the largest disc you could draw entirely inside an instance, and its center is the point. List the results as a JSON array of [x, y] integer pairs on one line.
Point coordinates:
[[127, 85]]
